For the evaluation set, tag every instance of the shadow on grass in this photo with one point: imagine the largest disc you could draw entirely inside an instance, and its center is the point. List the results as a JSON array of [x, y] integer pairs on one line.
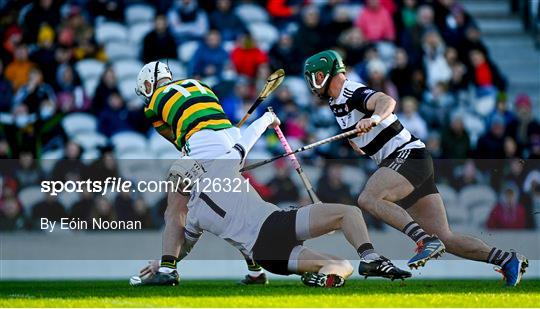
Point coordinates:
[[218, 288]]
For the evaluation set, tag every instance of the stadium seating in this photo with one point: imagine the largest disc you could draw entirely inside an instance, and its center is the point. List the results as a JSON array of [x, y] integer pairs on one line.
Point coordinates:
[[137, 13], [49, 158], [298, 89], [29, 197], [111, 31], [264, 33], [265, 174], [90, 155], [138, 31], [67, 199], [127, 89], [127, 68], [186, 50], [160, 145], [479, 215], [89, 69], [152, 198], [355, 177], [90, 140], [78, 123], [477, 196], [250, 13], [474, 125], [455, 210], [129, 142], [177, 69], [171, 154], [120, 50], [90, 85]]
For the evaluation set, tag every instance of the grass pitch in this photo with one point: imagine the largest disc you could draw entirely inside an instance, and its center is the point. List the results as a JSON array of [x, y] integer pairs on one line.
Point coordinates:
[[279, 293]]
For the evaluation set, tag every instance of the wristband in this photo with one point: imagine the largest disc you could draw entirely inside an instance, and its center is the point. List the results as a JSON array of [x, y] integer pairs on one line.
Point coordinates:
[[375, 119]]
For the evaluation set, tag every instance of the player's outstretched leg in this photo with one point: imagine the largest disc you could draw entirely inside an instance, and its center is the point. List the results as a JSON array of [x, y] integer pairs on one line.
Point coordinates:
[[430, 214], [349, 219], [385, 187]]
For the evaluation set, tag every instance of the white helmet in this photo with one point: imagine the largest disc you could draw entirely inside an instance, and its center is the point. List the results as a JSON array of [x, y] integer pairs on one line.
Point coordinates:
[[148, 77]]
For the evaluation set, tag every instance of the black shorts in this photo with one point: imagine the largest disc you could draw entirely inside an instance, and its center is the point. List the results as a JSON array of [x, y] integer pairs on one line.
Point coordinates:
[[416, 166], [276, 240]]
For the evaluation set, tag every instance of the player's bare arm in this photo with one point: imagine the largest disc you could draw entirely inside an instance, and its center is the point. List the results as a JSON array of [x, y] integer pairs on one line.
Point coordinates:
[[382, 106]]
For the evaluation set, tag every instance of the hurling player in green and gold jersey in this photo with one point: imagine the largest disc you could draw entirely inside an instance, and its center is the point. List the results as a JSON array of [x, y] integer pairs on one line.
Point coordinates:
[[179, 109]]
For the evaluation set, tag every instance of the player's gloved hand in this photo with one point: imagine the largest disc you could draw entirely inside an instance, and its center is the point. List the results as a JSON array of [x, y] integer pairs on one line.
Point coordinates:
[[275, 121], [149, 269]]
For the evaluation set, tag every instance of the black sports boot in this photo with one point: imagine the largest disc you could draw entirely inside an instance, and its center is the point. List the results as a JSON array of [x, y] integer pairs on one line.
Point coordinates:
[[250, 280], [382, 267]]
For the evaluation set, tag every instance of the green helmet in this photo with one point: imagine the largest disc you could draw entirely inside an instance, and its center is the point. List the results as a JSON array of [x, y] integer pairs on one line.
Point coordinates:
[[329, 62]]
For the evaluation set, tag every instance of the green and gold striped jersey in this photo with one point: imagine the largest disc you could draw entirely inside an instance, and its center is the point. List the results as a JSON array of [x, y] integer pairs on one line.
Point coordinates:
[[185, 107]]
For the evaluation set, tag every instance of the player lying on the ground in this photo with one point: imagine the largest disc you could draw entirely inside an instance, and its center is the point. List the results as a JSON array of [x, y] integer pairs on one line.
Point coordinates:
[[273, 237], [402, 191], [184, 112]]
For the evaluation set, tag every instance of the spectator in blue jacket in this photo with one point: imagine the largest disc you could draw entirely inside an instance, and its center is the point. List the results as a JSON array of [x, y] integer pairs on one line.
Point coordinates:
[[226, 21], [210, 57], [115, 117]]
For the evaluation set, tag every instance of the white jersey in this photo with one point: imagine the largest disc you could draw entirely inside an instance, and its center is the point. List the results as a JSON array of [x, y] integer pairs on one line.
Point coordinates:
[[388, 136], [223, 202]]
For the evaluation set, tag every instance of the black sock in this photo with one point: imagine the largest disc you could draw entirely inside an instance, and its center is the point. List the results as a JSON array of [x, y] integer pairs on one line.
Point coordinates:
[[415, 232], [168, 261], [253, 266], [498, 257], [365, 250]]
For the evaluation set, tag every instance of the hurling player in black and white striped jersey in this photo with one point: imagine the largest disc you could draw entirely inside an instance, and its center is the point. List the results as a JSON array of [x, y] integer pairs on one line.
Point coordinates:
[[402, 191]]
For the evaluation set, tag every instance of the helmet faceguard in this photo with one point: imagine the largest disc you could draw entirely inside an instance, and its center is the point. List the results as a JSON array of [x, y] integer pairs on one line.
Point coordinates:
[[329, 63]]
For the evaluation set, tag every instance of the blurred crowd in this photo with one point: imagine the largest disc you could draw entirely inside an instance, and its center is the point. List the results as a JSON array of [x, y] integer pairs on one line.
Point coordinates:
[[427, 54]]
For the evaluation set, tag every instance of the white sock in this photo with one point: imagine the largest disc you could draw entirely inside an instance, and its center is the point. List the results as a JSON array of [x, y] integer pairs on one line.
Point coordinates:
[[166, 270], [371, 256], [255, 273]]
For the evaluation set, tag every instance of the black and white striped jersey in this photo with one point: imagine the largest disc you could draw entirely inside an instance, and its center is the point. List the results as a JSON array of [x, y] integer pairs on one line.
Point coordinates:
[[388, 136]]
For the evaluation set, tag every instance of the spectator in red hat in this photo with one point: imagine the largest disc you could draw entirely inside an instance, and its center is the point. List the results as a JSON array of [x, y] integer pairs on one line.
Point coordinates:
[[11, 39], [527, 126]]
